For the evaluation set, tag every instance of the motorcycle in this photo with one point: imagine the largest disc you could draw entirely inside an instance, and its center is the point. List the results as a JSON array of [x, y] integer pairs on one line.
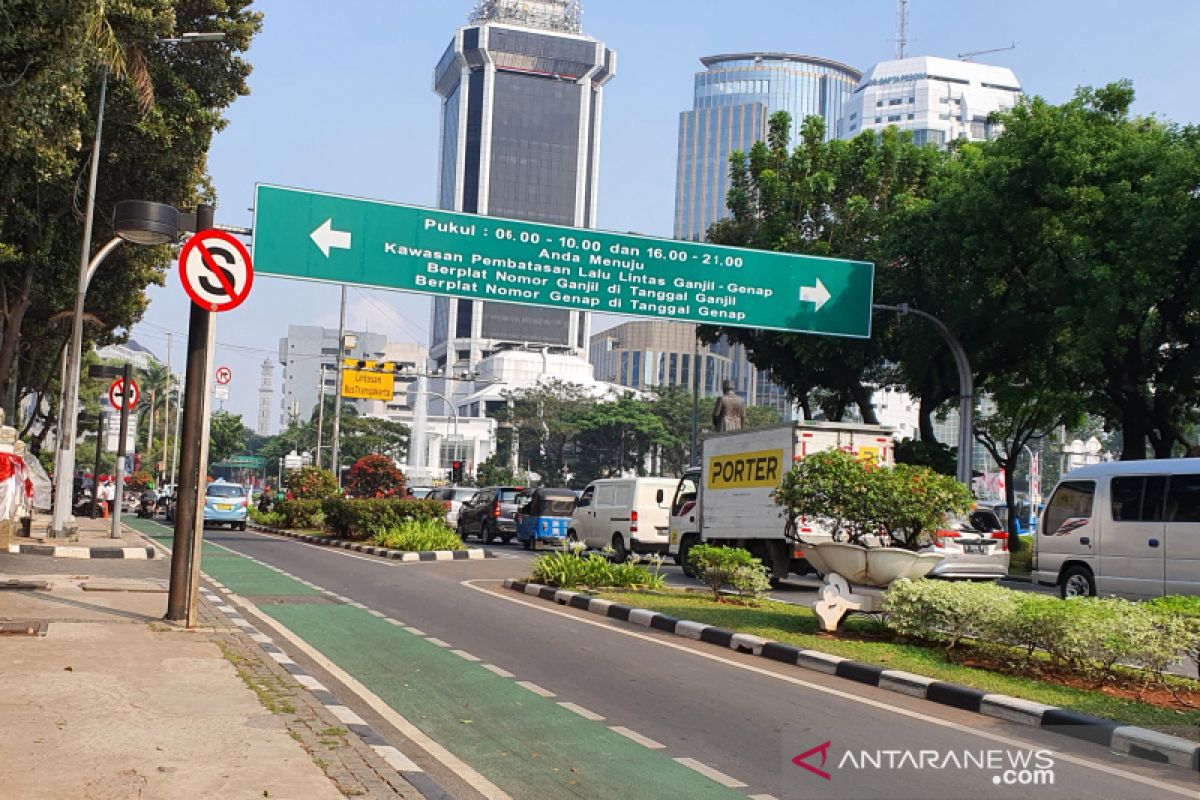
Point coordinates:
[[146, 506]]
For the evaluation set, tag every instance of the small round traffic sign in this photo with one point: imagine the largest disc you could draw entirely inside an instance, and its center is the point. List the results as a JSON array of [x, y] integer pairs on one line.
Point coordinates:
[[224, 375], [119, 397], [215, 270]]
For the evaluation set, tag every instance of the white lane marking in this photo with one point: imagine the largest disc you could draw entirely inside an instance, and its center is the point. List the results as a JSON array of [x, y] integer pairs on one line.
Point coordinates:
[[375, 613], [394, 621], [1006, 739], [533, 687], [503, 673], [583, 712], [472, 778], [710, 773], [763, 797], [437, 641], [465, 654], [637, 737], [414, 631]]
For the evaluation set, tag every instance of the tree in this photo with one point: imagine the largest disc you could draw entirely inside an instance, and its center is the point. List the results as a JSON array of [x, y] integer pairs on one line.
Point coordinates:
[[762, 416], [673, 407], [164, 104], [226, 436], [617, 437], [375, 475], [546, 419], [1081, 226], [495, 472], [828, 198]]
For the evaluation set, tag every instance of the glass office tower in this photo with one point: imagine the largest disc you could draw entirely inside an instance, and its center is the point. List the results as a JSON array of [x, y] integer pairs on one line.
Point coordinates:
[[521, 91], [734, 99]]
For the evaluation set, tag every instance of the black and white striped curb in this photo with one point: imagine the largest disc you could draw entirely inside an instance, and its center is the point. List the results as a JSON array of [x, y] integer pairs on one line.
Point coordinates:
[[1125, 739], [81, 551], [472, 554], [411, 772]]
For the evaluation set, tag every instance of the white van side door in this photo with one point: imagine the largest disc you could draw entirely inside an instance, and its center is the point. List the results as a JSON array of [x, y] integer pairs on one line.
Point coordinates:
[[1132, 551], [598, 533], [1182, 547]]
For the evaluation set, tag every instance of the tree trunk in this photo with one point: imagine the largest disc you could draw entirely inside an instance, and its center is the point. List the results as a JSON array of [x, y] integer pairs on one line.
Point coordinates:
[[1134, 430], [11, 338], [862, 398], [925, 420]]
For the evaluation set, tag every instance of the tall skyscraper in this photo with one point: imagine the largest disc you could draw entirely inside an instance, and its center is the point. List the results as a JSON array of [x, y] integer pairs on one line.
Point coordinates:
[[938, 99], [734, 98], [521, 90]]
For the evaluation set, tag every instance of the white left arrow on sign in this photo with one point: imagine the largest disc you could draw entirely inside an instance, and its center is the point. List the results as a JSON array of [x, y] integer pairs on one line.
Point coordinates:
[[325, 237], [817, 295]]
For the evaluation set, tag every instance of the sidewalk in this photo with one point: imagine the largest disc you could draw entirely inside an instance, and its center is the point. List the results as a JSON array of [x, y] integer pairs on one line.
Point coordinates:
[[101, 699], [93, 539]]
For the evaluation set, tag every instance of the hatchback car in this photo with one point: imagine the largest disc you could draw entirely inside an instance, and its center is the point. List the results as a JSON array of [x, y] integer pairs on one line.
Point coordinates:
[[974, 548], [226, 504], [489, 514]]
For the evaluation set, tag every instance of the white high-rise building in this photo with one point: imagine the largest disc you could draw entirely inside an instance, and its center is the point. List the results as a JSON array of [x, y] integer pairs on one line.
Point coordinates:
[[938, 99]]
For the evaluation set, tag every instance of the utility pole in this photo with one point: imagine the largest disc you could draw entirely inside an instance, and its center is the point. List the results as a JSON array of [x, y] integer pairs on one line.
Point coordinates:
[[335, 457], [193, 458], [320, 413], [119, 491], [695, 460]]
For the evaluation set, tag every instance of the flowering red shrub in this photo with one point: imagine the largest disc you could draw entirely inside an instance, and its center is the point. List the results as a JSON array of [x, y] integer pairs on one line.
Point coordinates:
[[375, 476]]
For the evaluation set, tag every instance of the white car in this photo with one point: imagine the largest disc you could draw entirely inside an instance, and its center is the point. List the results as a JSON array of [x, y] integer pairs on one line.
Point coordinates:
[[975, 548], [453, 497]]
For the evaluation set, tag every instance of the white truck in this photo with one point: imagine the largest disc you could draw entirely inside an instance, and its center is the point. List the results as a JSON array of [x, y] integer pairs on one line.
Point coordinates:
[[727, 499]]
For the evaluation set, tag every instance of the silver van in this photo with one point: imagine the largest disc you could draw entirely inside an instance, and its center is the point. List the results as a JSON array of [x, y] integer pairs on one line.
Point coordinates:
[[1128, 528]]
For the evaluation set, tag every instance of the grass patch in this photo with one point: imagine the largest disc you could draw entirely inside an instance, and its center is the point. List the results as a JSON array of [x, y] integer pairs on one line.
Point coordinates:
[[334, 732], [864, 639], [272, 693]]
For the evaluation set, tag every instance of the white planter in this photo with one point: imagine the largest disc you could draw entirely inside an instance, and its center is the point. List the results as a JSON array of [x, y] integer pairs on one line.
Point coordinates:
[[869, 566]]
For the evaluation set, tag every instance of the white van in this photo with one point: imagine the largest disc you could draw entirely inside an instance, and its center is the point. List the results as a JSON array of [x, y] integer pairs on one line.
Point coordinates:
[[1128, 528], [628, 514]]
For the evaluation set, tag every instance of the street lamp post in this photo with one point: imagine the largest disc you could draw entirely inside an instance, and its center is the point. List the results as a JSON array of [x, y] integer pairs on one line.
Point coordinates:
[[966, 389], [135, 221], [453, 416], [164, 229]]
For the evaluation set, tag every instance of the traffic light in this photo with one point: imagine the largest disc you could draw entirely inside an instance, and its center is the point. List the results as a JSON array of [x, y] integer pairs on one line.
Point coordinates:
[[456, 471]]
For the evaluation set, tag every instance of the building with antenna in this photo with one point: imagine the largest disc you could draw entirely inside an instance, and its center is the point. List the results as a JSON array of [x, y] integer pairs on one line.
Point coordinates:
[[938, 99]]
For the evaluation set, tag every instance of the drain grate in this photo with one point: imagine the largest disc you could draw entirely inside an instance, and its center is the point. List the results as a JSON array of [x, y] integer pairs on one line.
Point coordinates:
[[22, 629]]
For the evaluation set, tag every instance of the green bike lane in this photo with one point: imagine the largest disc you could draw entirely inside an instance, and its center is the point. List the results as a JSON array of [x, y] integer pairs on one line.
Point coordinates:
[[526, 744]]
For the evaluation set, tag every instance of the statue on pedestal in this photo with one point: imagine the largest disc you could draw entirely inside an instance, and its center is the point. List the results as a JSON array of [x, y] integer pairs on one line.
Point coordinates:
[[729, 412]]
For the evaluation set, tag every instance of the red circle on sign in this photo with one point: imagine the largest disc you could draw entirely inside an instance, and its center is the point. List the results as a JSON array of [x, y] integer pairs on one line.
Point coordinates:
[[117, 397], [224, 375], [197, 267]]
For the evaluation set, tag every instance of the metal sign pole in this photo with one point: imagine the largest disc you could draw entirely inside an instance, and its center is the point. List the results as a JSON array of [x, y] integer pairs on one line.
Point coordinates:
[[195, 392], [118, 497], [202, 485]]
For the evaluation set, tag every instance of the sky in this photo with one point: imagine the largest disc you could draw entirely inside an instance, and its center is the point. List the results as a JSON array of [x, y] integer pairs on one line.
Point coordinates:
[[341, 101]]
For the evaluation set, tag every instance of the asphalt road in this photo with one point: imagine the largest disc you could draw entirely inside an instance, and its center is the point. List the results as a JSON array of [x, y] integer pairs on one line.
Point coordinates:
[[739, 715]]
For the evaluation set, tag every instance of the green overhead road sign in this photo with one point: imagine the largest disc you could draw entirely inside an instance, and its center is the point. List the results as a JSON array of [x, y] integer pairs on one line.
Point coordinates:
[[337, 239]]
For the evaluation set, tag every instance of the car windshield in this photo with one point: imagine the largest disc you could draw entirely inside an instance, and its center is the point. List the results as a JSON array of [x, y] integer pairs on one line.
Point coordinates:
[[508, 495], [225, 490], [558, 506], [462, 495]]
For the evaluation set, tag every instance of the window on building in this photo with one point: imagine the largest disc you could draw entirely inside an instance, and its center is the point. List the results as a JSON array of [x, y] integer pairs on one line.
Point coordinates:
[[462, 325], [912, 116], [854, 115], [893, 118], [895, 101], [462, 355], [878, 103], [878, 120]]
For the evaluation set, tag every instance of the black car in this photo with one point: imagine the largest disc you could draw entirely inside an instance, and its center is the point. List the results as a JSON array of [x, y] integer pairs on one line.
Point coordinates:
[[489, 515]]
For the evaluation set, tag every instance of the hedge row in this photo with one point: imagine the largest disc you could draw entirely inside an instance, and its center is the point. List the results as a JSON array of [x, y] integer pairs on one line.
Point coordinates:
[[1085, 636], [364, 519]]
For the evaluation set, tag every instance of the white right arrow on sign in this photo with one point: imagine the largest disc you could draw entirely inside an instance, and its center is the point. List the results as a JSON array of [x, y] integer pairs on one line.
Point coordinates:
[[817, 295], [326, 237]]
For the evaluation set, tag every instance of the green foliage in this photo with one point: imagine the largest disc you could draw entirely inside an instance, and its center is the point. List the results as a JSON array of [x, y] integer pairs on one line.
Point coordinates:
[[418, 535], [495, 471], [857, 501], [938, 457], [762, 416], [617, 436], [1088, 637], [311, 483], [570, 568], [729, 566], [271, 519], [226, 436], [375, 476], [1182, 605], [305, 514], [362, 519]]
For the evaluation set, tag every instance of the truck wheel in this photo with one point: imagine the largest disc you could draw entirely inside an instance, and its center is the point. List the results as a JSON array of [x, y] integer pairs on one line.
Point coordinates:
[[1077, 581], [620, 552], [689, 541]]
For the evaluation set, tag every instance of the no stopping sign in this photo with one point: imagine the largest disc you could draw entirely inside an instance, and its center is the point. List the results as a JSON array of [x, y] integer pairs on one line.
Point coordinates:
[[215, 270]]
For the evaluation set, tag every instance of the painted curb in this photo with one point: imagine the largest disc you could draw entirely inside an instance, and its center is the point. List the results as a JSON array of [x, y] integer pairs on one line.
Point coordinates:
[[472, 554], [81, 551], [1143, 743]]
